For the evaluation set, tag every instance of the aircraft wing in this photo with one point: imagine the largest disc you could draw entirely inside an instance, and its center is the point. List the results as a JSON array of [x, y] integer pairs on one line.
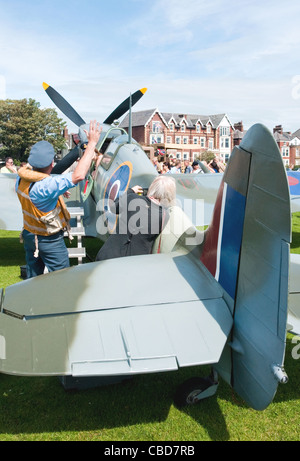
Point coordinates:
[[11, 212], [207, 185], [197, 194], [294, 294], [189, 188], [11, 217], [294, 185], [150, 324]]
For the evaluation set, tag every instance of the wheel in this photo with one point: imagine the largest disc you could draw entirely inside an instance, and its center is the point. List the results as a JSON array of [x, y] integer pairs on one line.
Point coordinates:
[[188, 391]]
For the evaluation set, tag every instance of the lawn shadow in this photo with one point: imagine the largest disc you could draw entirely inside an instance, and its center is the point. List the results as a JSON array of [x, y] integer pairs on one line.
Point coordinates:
[[41, 405]]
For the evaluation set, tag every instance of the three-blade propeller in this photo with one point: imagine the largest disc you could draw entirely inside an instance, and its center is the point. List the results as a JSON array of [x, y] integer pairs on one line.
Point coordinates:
[[71, 113]]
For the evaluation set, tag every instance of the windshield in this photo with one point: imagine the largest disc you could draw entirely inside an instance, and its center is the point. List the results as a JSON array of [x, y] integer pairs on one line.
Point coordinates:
[[111, 148], [107, 136]]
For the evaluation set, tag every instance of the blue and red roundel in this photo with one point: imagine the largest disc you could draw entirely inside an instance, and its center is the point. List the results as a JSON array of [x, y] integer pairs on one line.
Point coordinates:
[[117, 185], [294, 182]]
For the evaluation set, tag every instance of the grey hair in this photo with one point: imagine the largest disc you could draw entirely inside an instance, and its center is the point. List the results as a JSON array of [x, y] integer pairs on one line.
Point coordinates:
[[163, 189]]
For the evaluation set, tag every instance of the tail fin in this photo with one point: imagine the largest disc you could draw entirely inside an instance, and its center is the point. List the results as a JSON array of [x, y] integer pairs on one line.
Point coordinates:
[[246, 248]]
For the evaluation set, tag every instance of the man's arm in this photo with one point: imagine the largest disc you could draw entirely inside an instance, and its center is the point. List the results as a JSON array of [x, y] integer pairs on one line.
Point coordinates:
[[84, 164]]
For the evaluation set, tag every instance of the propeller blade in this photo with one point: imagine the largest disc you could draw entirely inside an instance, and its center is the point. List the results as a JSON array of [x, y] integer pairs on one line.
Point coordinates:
[[63, 105], [66, 162], [125, 105]]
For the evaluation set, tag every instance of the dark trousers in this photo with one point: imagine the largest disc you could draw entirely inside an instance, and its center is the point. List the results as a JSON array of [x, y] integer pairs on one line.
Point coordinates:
[[53, 253]]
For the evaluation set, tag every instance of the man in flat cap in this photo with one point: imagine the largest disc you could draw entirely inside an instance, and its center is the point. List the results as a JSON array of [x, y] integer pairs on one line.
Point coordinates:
[[45, 216]]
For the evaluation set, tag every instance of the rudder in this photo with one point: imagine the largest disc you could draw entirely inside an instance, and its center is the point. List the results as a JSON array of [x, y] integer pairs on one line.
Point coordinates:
[[246, 248]]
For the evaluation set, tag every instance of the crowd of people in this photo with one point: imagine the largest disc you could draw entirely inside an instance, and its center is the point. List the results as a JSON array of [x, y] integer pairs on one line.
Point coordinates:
[[170, 165], [173, 165]]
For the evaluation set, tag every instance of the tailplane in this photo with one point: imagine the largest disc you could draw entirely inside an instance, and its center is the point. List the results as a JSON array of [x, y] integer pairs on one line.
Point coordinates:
[[246, 249]]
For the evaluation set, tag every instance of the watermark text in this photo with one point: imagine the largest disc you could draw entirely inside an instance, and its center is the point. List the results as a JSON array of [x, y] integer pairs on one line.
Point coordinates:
[[296, 348], [138, 217]]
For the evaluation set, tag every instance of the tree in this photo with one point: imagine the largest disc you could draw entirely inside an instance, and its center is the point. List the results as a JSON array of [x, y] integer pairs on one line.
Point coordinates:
[[207, 155], [23, 123]]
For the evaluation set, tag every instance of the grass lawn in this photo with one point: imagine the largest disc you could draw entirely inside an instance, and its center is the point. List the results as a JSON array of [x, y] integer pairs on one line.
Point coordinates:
[[140, 409]]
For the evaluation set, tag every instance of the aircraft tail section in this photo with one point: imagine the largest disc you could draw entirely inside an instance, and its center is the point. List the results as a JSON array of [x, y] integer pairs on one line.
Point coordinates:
[[246, 248]]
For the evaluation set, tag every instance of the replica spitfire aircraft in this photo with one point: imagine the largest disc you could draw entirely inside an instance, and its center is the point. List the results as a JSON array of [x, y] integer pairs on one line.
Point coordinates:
[[227, 299]]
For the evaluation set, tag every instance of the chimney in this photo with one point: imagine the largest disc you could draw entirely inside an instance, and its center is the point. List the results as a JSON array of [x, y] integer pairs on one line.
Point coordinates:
[[66, 133], [278, 129], [239, 126]]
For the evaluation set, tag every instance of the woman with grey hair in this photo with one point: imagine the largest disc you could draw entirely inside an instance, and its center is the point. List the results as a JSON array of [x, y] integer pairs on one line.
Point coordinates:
[[141, 219]]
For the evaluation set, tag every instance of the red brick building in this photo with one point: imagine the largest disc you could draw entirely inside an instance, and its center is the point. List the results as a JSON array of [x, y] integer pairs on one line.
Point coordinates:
[[288, 143], [184, 136]]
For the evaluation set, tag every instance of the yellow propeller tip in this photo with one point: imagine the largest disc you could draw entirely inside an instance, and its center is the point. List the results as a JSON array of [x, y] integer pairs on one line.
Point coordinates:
[[45, 86], [143, 90]]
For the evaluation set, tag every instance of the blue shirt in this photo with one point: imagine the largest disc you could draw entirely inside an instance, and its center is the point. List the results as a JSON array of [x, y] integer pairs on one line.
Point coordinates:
[[44, 194]]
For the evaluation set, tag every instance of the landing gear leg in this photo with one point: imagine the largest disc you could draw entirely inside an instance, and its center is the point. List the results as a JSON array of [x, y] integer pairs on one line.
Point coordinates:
[[195, 389]]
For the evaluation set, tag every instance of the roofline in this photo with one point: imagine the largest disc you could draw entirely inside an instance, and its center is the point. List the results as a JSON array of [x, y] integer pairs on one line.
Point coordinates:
[[160, 114]]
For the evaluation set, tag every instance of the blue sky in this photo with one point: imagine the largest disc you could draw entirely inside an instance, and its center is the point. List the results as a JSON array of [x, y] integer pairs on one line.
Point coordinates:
[[194, 56]]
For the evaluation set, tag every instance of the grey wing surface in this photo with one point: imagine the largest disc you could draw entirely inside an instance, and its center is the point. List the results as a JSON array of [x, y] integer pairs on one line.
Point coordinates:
[[82, 330]]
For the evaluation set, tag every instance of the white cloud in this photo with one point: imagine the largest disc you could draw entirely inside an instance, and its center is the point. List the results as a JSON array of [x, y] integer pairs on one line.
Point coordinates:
[[270, 103], [193, 55]]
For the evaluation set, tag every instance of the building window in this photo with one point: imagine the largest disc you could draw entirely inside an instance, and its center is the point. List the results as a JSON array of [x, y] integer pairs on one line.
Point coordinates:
[[195, 140], [198, 128], [208, 128], [185, 140], [171, 125], [178, 155], [156, 127], [210, 143], [224, 131], [225, 143], [169, 140], [186, 156], [177, 140], [156, 139], [182, 127], [285, 151], [202, 142]]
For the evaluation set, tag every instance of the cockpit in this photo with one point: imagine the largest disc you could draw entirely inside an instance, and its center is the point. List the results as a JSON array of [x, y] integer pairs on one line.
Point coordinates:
[[109, 143]]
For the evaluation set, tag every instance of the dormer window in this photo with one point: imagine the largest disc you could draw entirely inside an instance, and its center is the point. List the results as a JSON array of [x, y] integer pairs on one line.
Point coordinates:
[[198, 128], [183, 127], [156, 127]]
